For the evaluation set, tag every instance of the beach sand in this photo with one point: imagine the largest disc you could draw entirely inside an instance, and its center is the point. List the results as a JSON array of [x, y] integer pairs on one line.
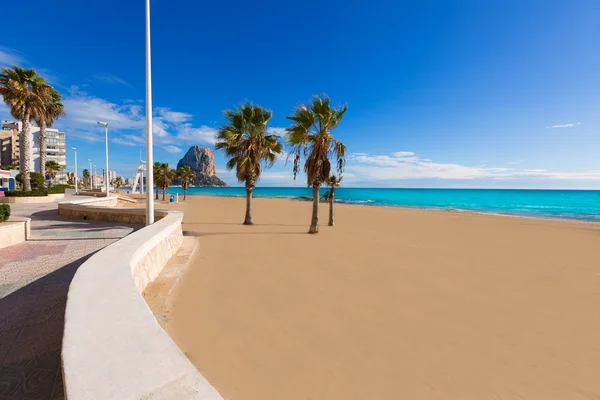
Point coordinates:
[[389, 304]]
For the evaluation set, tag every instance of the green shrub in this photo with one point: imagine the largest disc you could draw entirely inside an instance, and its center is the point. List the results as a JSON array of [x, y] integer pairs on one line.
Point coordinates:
[[4, 212], [58, 189], [22, 193], [37, 180]]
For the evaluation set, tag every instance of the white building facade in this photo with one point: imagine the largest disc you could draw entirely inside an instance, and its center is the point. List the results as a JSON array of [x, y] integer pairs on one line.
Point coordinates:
[[56, 149]]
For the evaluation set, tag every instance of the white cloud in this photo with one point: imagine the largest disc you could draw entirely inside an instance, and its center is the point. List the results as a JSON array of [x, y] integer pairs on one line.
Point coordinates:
[[127, 121], [134, 138], [123, 142], [515, 162], [172, 149], [563, 125], [203, 134], [9, 57], [276, 131], [112, 79], [395, 167], [400, 154], [173, 117]]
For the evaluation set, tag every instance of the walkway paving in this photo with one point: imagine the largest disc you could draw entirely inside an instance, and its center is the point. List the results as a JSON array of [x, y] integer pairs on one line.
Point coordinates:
[[34, 281]]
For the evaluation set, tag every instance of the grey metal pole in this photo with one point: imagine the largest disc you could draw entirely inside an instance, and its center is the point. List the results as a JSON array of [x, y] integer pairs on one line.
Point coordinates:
[[75, 150], [106, 182], [149, 154], [91, 175]]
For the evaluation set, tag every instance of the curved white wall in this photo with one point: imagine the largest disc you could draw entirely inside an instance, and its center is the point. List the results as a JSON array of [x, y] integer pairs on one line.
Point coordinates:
[[113, 347]]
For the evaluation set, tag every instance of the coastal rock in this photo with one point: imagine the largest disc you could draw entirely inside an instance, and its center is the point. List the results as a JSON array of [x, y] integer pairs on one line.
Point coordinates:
[[202, 161]]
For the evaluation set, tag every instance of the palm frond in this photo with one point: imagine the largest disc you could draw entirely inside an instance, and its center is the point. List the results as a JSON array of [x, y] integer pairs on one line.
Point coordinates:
[[245, 142], [310, 138]]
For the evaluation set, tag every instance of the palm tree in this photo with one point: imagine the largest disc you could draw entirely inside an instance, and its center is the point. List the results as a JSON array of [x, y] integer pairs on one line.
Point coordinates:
[[245, 140], [163, 176], [167, 179], [44, 118], [184, 176], [158, 170], [52, 167], [86, 176], [310, 136], [117, 183], [26, 94], [333, 182]]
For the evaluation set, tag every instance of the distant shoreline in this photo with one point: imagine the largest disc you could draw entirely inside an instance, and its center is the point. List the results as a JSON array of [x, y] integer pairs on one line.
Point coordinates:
[[545, 204]]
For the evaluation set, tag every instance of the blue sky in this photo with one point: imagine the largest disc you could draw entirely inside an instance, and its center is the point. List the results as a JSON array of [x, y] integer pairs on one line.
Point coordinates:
[[440, 94]]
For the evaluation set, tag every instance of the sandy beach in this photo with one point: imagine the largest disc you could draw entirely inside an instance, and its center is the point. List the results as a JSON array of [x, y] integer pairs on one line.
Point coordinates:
[[389, 304]]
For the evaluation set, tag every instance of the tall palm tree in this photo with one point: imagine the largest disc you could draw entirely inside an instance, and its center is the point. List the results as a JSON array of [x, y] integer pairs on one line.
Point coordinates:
[[52, 167], [163, 176], [185, 176], [44, 118], [86, 176], [26, 94], [167, 178], [117, 183], [310, 137], [245, 140], [158, 170], [333, 182]]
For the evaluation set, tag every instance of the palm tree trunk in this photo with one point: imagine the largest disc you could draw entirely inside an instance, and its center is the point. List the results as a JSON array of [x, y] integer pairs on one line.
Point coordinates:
[[331, 195], [184, 193], [25, 153], [43, 149], [164, 192], [314, 224], [156, 191], [248, 219]]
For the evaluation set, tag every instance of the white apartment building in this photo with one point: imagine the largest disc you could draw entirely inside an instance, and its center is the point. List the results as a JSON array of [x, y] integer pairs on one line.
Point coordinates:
[[55, 147], [112, 175]]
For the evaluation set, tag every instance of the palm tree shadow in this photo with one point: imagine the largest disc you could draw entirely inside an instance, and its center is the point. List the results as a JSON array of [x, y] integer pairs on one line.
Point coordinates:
[[199, 234], [238, 224]]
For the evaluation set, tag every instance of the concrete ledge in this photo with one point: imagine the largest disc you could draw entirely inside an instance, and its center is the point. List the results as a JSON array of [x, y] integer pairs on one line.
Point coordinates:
[[14, 231], [51, 198], [113, 347]]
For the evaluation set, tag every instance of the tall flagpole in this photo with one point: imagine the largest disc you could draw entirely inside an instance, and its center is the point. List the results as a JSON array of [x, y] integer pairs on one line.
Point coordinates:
[[149, 154]]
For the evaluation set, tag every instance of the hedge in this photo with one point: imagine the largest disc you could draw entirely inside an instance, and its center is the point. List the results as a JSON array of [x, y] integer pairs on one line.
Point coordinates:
[[58, 189], [22, 193], [36, 180], [4, 212]]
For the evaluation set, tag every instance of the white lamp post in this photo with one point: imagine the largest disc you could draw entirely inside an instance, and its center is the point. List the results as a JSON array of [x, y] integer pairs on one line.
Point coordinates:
[[75, 150], [106, 183], [91, 175], [149, 154]]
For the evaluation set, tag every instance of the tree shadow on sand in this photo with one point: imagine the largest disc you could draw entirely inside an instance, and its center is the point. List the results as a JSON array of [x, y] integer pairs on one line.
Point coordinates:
[[199, 234]]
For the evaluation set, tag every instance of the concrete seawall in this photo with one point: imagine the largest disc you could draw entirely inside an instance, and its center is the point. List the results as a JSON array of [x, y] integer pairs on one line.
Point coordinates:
[[113, 347]]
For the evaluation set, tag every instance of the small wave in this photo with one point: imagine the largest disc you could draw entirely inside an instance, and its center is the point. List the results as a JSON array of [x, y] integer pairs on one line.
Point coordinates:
[[356, 201]]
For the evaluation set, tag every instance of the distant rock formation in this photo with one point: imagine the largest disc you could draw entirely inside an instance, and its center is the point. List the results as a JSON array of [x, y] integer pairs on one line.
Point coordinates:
[[202, 161]]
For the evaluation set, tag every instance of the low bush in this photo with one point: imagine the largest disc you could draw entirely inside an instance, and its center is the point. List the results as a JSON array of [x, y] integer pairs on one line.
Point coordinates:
[[58, 189], [22, 193], [4, 212], [35, 178]]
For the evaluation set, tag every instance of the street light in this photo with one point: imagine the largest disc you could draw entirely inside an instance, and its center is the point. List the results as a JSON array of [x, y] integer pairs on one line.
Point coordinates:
[[105, 125], [91, 175], [75, 150], [149, 154]]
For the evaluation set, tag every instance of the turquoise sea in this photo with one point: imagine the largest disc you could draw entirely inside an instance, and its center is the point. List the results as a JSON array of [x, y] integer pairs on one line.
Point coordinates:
[[568, 204]]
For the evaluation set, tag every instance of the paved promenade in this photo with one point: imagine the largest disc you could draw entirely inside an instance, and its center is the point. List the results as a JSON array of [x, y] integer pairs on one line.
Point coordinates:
[[34, 281]]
